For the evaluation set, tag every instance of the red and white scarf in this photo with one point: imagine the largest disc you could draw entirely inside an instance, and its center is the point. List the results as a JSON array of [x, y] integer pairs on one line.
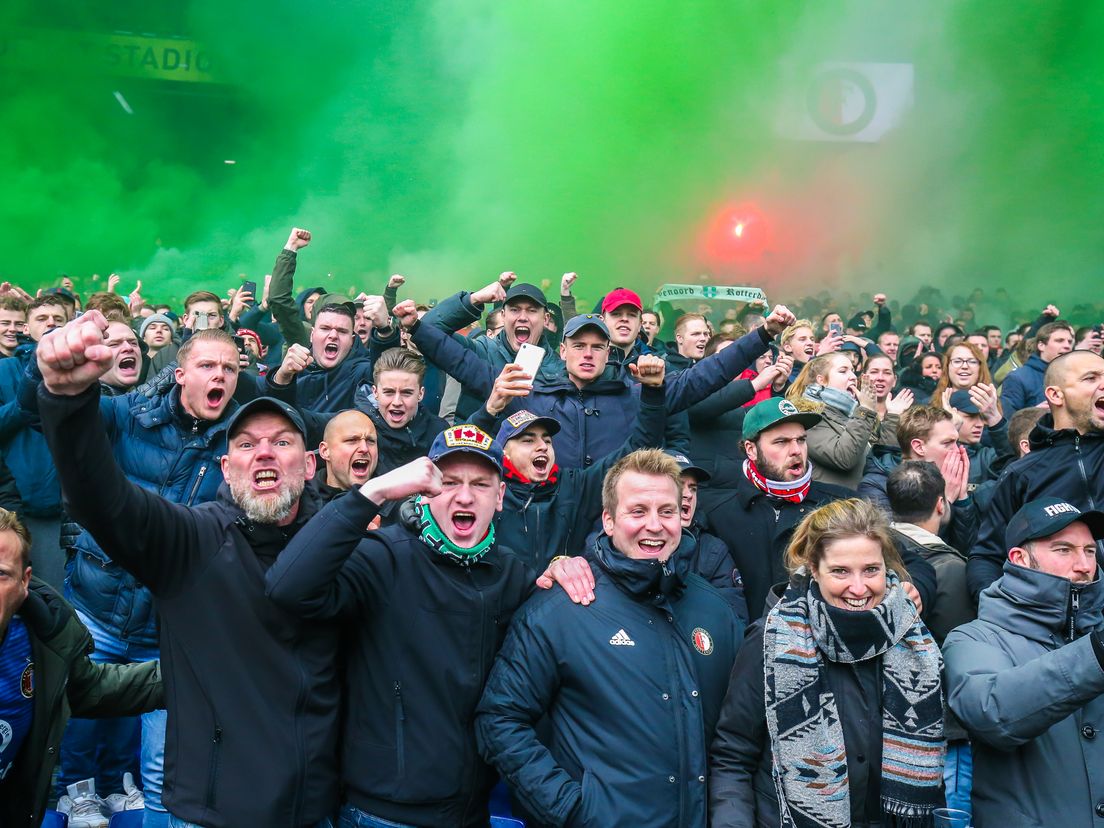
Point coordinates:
[[794, 491]]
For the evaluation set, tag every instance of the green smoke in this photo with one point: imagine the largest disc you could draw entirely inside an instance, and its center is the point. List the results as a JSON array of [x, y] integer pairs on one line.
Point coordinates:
[[451, 139]]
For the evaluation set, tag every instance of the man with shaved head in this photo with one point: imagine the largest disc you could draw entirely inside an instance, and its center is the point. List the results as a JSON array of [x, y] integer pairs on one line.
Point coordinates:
[[1066, 459], [349, 450]]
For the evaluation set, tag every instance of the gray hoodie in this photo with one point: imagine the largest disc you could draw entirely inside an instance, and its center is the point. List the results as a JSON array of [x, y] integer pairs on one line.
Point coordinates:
[[1026, 680]]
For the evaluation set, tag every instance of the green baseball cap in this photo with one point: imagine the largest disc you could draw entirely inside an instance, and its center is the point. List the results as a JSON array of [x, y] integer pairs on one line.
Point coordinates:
[[332, 299], [775, 411]]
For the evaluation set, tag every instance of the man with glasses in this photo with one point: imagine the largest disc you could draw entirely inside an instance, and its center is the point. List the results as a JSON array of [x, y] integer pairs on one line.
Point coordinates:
[[595, 403]]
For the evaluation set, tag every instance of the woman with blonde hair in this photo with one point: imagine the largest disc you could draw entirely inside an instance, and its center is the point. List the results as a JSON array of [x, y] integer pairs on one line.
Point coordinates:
[[834, 714], [850, 425]]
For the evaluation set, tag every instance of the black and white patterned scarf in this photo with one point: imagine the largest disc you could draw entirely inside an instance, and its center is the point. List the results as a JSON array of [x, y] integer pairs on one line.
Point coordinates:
[[810, 759]]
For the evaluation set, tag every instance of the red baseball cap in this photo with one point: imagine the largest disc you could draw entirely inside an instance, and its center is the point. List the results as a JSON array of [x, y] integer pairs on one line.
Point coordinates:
[[622, 296]]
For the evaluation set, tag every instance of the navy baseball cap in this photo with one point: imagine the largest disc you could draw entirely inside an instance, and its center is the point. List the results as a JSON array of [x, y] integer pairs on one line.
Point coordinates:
[[466, 438], [265, 404], [516, 423], [524, 290], [585, 320], [1043, 517], [772, 412], [961, 400], [687, 465]]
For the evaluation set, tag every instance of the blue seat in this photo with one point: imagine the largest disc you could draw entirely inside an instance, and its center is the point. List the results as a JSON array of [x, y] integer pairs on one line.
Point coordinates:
[[506, 822], [52, 819], [127, 819]]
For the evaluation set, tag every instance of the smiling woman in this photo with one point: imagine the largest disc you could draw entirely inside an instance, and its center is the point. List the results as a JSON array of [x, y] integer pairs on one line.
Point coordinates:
[[830, 688]]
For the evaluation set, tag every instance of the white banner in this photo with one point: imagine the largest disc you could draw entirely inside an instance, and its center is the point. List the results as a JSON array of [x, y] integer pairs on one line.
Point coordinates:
[[705, 293], [840, 101]]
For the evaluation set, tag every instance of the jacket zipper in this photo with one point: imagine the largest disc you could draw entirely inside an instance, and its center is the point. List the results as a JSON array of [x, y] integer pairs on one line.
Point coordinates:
[[300, 748], [195, 486], [1075, 605], [400, 717], [212, 774], [1081, 466]]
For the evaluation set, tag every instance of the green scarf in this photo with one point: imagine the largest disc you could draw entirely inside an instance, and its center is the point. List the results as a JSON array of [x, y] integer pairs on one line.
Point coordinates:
[[434, 537]]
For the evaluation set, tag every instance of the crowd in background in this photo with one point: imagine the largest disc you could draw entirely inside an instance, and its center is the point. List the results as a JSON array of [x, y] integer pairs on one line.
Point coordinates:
[[647, 563]]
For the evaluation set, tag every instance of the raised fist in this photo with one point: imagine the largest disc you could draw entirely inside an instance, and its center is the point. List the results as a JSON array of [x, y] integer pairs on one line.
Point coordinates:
[[406, 312], [298, 239], [73, 357], [649, 369], [419, 476], [396, 281], [780, 318]]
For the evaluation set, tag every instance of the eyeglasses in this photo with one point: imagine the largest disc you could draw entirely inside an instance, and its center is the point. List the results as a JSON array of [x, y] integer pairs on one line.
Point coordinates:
[[965, 363]]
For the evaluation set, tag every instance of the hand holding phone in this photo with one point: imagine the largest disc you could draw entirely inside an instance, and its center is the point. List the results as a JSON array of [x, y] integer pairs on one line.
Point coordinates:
[[529, 358]]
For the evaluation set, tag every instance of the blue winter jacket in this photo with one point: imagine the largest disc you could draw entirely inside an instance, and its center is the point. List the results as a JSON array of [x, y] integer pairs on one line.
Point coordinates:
[[24, 448], [595, 420], [162, 449], [1023, 388]]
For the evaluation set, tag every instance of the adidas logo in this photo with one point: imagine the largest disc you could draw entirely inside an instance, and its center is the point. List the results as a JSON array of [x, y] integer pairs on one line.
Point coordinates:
[[621, 639]]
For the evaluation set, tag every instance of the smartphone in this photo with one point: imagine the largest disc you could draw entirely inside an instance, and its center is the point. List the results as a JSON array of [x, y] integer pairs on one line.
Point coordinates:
[[836, 328], [200, 323], [240, 342], [529, 358], [250, 287]]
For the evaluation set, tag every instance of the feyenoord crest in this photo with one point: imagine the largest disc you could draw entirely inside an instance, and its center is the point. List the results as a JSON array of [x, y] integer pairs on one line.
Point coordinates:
[[26, 682], [703, 641], [787, 408]]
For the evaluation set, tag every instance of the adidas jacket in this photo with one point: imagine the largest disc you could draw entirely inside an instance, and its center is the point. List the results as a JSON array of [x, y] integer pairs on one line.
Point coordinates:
[[632, 686]]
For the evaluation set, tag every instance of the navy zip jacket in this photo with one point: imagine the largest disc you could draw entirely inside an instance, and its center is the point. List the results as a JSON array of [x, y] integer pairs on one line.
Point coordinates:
[[1061, 463], [421, 635], [334, 389], [594, 420], [632, 686], [457, 312], [252, 690]]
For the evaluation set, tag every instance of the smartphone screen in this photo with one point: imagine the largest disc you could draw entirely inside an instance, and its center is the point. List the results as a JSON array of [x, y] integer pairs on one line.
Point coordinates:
[[529, 358], [836, 327]]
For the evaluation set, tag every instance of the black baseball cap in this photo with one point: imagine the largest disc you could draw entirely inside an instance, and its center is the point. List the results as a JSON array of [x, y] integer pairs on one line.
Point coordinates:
[[266, 404], [585, 320], [524, 290], [516, 423], [961, 400], [687, 465], [857, 322], [1043, 517]]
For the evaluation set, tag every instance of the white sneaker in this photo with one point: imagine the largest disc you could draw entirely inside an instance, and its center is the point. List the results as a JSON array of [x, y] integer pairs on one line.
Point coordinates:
[[83, 807], [131, 800]]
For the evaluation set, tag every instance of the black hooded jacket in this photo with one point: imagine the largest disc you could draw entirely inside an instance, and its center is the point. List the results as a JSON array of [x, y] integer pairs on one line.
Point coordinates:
[[1061, 463]]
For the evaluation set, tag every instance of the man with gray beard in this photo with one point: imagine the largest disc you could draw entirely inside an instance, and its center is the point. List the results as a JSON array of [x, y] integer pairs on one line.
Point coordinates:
[[251, 689]]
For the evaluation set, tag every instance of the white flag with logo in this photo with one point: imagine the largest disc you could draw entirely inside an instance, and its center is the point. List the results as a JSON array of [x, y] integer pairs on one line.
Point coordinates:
[[838, 101]]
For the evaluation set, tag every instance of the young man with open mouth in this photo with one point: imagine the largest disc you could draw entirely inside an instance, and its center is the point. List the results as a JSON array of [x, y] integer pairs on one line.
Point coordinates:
[[424, 606]]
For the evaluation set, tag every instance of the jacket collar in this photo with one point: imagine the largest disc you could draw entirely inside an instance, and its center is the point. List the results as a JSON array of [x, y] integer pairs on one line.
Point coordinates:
[[1037, 605], [1045, 434], [645, 580], [918, 534]]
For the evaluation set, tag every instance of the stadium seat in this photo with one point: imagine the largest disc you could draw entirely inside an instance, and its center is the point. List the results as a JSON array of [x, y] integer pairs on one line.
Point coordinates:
[[506, 822]]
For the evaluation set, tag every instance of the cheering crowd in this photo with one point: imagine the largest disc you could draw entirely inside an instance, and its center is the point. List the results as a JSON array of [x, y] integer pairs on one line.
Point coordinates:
[[368, 562]]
